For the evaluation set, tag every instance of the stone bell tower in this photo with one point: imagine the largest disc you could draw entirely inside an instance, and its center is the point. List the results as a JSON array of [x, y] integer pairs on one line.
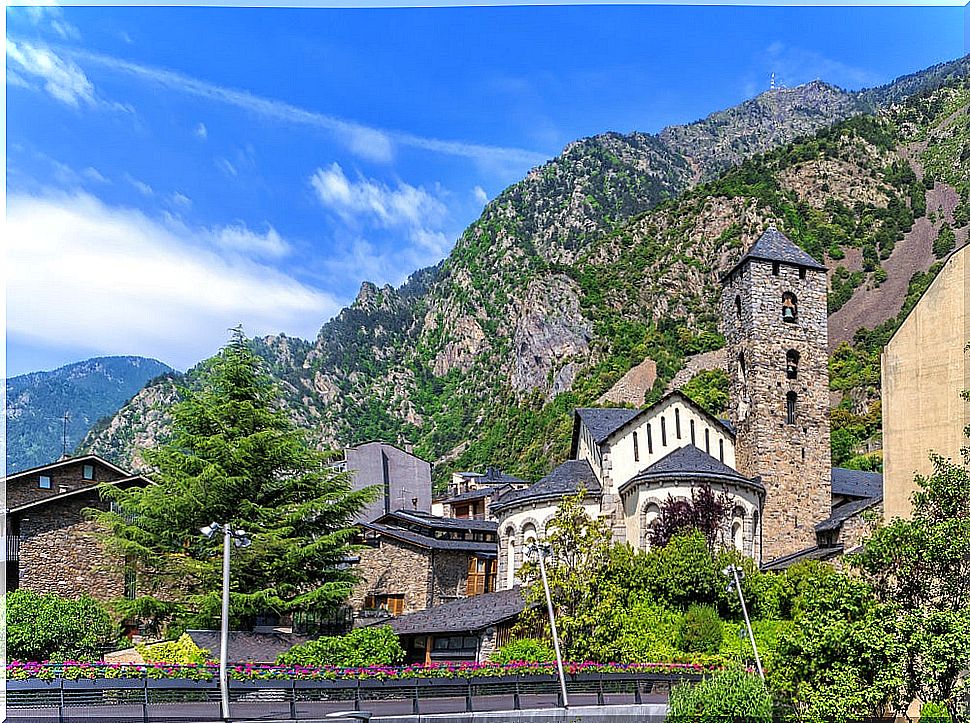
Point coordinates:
[[774, 318]]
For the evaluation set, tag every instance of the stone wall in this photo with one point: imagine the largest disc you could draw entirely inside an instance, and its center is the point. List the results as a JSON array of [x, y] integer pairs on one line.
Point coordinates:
[[25, 488], [61, 552], [858, 527], [393, 568], [793, 460], [450, 576]]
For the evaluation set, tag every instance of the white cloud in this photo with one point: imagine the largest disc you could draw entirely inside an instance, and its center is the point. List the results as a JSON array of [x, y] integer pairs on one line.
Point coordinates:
[[142, 187], [226, 167], [93, 174], [46, 16], [480, 195], [180, 200], [241, 239], [372, 143], [201, 131], [61, 78], [407, 205], [112, 280]]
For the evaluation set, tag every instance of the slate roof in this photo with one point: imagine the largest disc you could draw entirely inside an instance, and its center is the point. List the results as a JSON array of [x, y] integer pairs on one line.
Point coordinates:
[[473, 494], [496, 477], [601, 423], [855, 483], [809, 553], [470, 614], [247, 647], [843, 512], [434, 522], [566, 479], [689, 462], [429, 542], [775, 246]]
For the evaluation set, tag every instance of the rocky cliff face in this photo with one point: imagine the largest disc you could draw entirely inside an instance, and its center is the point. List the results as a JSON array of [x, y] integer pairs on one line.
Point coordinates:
[[604, 257]]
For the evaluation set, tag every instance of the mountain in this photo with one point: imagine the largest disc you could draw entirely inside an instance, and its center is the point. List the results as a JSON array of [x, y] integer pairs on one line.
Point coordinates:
[[86, 391], [608, 255]]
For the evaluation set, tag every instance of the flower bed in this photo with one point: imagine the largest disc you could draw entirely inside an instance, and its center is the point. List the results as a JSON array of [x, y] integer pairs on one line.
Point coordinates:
[[70, 670]]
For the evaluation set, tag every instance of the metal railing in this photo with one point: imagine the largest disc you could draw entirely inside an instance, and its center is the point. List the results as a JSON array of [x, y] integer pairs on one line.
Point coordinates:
[[156, 700]]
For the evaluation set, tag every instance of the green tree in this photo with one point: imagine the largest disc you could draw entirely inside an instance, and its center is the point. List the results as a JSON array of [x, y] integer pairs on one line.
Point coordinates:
[[376, 645], [236, 457], [945, 241], [50, 627]]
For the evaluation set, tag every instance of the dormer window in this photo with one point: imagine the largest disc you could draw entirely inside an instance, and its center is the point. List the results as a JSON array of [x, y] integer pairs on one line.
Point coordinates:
[[789, 308], [791, 364]]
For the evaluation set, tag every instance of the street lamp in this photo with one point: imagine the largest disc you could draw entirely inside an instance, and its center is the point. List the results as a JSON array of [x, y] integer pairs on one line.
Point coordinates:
[[540, 552], [736, 573], [239, 538]]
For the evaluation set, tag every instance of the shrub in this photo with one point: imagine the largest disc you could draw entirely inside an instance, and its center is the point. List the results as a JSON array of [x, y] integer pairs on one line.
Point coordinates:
[[526, 650], [727, 695], [50, 627], [934, 713], [181, 651], [377, 645], [700, 631]]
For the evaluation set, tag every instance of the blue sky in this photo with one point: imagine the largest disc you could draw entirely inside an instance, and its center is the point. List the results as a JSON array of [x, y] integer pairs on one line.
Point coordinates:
[[172, 172]]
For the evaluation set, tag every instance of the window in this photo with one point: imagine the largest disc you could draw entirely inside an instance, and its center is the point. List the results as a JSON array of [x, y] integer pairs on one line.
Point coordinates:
[[737, 535], [791, 364], [477, 576], [790, 399], [677, 422], [88, 471], [789, 307], [663, 431], [775, 268], [720, 449], [649, 440], [707, 440], [44, 482], [801, 272], [737, 306], [510, 564], [636, 448], [393, 604]]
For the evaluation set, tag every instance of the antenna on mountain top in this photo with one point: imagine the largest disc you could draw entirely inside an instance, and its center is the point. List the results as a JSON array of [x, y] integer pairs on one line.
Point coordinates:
[[66, 418], [772, 86]]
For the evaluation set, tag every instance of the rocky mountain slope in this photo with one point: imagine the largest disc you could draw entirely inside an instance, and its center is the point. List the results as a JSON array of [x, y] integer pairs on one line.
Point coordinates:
[[86, 391], [604, 257]]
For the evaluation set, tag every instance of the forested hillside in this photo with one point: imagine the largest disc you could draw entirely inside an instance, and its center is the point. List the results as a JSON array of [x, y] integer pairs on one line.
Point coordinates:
[[610, 253]]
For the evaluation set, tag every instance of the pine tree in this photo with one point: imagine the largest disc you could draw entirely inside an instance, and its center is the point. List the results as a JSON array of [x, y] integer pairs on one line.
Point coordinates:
[[236, 457]]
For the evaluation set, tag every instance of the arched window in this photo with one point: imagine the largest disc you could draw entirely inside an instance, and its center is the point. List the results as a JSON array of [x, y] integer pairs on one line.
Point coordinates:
[[510, 562], [790, 400], [707, 440], [737, 306], [791, 364], [693, 434], [720, 449], [649, 440], [677, 422], [651, 515], [789, 307], [737, 534], [636, 448], [663, 431]]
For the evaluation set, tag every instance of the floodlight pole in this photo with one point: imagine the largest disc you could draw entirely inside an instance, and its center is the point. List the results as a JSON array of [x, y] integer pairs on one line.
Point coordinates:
[[541, 553], [224, 641], [733, 569]]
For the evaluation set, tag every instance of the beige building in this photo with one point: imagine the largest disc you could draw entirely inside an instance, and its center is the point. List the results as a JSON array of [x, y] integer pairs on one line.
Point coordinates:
[[924, 369]]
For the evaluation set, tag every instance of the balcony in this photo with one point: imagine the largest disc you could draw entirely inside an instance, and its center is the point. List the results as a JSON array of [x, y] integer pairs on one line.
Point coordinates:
[[13, 548]]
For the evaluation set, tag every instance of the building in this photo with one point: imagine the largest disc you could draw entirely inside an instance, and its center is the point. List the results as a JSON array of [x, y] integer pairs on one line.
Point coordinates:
[[51, 545], [412, 561], [469, 629], [924, 369], [771, 459], [404, 480], [470, 494]]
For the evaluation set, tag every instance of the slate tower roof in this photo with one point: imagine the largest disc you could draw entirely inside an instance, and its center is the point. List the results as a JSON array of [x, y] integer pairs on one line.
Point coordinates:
[[776, 246]]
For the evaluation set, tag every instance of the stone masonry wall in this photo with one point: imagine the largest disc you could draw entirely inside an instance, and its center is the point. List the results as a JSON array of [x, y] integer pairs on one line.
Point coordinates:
[[60, 552], [22, 489], [450, 576], [393, 568], [793, 460]]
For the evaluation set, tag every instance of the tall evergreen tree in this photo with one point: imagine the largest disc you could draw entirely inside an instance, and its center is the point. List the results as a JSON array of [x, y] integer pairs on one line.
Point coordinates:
[[236, 457]]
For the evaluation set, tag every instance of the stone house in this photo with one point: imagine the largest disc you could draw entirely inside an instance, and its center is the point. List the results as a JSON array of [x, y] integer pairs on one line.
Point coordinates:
[[404, 480], [470, 629], [770, 458], [470, 494], [412, 561], [51, 545]]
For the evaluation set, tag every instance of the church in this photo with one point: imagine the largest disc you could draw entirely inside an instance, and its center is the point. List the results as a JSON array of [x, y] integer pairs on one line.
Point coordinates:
[[770, 457]]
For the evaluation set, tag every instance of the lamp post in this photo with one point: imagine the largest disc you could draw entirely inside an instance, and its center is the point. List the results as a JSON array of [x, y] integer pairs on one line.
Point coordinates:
[[736, 573], [541, 551], [240, 539]]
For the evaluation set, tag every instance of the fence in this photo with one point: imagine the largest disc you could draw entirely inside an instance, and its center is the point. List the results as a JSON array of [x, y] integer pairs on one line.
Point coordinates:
[[158, 700]]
